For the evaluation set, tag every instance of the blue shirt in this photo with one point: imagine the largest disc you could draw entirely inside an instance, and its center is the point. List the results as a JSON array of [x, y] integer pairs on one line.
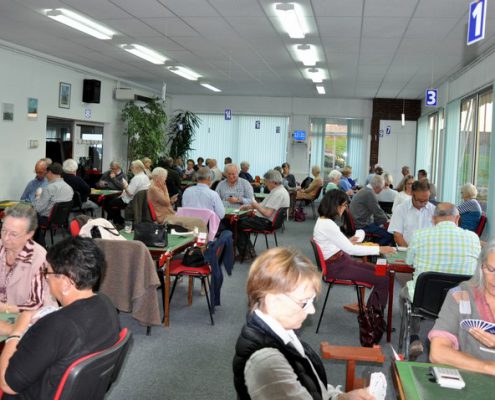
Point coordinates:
[[31, 188], [470, 211], [201, 196], [344, 184]]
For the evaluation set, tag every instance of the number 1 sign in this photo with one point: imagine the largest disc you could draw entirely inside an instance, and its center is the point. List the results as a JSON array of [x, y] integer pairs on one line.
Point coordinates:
[[476, 21]]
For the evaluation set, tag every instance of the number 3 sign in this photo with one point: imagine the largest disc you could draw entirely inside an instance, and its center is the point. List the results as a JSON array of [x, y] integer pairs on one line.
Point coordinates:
[[431, 98]]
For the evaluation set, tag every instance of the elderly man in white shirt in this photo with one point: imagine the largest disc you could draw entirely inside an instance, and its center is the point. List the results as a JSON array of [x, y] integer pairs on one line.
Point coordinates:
[[414, 214]]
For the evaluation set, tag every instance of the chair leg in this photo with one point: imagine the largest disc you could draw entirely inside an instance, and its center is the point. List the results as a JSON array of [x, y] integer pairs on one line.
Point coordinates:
[[360, 294], [266, 242], [190, 291], [51, 235], [148, 330], [324, 305], [275, 237], [204, 283], [173, 287], [402, 327], [407, 330], [255, 239]]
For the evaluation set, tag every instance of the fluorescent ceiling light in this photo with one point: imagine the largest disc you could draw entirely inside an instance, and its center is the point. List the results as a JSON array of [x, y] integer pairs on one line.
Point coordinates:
[[290, 16], [211, 87], [144, 53], [306, 53], [320, 89], [80, 23], [185, 73], [316, 75]]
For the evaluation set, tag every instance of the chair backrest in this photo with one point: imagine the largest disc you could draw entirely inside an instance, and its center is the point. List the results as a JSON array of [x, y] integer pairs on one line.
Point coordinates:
[[59, 215], [386, 206], [74, 228], [318, 192], [481, 225], [76, 200], [306, 182], [208, 216], [152, 210], [348, 220], [320, 260], [279, 218], [431, 289], [90, 376]]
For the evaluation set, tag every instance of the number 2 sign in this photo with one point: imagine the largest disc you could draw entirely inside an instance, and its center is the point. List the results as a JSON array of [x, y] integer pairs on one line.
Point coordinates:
[[476, 21], [431, 98]]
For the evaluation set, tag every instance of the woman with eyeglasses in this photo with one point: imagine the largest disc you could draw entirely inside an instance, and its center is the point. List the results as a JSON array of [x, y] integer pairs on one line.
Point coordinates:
[[458, 343], [271, 361], [404, 189], [337, 249], [22, 286], [34, 361]]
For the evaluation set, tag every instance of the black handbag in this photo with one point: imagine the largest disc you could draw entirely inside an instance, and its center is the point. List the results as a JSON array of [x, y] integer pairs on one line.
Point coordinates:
[[371, 325], [151, 234], [193, 257]]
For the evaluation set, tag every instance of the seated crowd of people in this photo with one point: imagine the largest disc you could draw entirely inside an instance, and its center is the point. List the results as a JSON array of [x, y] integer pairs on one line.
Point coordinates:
[[56, 292]]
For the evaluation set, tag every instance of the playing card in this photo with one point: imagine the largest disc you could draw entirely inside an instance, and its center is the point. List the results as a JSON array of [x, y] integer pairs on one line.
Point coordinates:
[[477, 323]]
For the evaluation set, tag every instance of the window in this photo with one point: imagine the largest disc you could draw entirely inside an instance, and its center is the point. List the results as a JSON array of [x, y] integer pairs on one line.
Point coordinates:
[[474, 143], [335, 143]]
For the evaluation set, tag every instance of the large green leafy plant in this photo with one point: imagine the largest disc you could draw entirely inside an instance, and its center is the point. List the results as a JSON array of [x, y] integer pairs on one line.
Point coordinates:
[[145, 128], [181, 132]]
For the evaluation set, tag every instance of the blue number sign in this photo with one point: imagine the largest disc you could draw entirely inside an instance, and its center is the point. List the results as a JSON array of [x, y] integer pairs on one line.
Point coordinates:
[[257, 125], [476, 21], [228, 114], [431, 98]]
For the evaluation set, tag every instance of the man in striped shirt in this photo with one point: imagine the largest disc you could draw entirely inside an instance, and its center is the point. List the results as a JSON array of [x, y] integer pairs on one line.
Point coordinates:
[[443, 247]]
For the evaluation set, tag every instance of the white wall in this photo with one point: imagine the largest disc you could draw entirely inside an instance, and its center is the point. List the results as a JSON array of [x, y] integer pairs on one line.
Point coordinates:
[[299, 111], [28, 74]]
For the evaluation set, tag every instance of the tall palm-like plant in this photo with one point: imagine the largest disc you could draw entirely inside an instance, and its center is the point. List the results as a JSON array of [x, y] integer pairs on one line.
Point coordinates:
[[181, 132], [145, 128]]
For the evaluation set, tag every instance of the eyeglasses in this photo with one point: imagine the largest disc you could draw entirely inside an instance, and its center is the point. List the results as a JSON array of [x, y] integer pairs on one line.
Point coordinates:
[[423, 202], [489, 268], [12, 235], [305, 304], [45, 272]]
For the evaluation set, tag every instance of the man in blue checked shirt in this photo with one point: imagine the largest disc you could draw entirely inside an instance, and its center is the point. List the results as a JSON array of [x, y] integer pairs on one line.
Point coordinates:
[[443, 247]]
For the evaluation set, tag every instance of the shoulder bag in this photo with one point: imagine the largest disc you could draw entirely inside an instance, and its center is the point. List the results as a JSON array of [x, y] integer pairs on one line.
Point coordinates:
[[151, 234]]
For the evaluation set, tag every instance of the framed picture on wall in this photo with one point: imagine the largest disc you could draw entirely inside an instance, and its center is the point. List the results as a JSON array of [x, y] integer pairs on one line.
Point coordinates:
[[8, 111], [64, 95], [32, 108]]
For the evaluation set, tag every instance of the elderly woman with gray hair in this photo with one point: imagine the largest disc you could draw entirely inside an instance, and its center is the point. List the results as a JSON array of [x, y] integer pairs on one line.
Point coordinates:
[[334, 177], [22, 285], [469, 209], [466, 347], [264, 212], [139, 182]]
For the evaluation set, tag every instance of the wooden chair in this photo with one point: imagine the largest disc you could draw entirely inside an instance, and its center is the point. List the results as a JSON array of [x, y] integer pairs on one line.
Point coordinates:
[[351, 355], [322, 266]]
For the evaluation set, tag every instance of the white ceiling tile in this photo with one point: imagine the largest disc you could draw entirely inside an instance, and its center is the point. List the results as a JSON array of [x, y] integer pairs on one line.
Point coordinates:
[[389, 8], [338, 8], [190, 8], [171, 26], [238, 8], [130, 27], [428, 28], [143, 8], [346, 27], [96, 9], [378, 27], [442, 9]]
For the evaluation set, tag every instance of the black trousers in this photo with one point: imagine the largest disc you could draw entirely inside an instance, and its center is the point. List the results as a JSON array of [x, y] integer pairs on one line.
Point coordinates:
[[113, 209], [255, 222]]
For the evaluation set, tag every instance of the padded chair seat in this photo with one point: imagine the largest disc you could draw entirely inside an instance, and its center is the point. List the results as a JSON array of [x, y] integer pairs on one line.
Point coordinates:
[[177, 268], [346, 282]]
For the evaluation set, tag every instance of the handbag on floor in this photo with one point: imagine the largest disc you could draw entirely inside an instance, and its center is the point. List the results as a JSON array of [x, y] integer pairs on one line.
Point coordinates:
[[371, 325], [151, 234], [299, 215]]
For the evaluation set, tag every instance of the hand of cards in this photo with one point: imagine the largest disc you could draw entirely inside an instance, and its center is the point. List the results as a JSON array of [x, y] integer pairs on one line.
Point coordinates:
[[478, 323]]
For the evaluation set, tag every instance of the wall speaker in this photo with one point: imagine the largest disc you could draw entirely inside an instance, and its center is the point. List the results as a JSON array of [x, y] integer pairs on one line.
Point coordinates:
[[91, 91]]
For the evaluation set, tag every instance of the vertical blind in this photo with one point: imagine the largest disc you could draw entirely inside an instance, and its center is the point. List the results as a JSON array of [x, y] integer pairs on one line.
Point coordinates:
[[449, 187], [423, 145], [264, 147], [355, 146]]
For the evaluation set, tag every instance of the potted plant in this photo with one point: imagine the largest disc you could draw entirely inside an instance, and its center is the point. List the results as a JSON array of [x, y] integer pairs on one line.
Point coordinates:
[[145, 129], [181, 132]]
